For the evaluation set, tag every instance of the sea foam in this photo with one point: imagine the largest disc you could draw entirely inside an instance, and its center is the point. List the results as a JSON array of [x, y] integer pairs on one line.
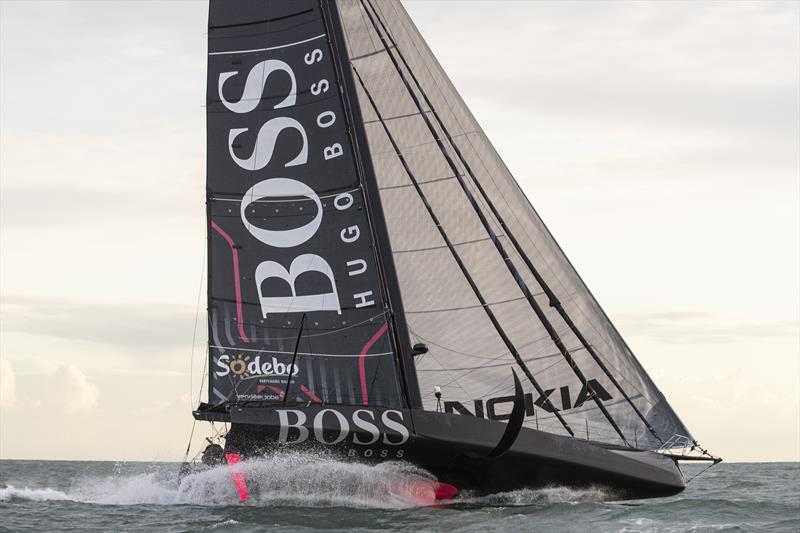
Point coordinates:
[[285, 479]]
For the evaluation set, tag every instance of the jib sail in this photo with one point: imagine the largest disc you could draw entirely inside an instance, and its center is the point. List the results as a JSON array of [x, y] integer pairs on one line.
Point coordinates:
[[484, 283], [298, 301]]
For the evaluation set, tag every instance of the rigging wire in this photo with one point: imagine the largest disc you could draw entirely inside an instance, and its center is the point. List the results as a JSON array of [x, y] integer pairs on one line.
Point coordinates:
[[477, 153], [191, 357], [196, 317], [489, 313], [512, 269], [500, 249]]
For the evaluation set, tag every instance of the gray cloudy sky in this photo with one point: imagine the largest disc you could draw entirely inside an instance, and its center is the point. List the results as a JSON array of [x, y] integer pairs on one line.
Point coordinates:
[[659, 141]]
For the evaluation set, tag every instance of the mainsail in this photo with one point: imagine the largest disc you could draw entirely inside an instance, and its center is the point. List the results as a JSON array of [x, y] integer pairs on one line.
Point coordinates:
[[298, 299], [355, 206]]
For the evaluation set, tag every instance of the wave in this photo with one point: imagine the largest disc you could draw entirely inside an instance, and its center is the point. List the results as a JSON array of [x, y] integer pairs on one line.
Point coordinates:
[[302, 479], [11, 493], [546, 496]]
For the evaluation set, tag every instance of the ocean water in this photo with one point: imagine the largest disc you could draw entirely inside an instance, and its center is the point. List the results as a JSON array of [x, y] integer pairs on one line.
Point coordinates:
[[304, 493]]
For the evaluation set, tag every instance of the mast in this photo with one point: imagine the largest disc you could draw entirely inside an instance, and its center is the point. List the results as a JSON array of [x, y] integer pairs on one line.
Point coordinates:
[[485, 223], [489, 313], [553, 299], [383, 250]]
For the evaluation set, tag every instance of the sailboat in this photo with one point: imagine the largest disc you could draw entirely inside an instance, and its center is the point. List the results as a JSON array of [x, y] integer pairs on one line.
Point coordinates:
[[379, 286]]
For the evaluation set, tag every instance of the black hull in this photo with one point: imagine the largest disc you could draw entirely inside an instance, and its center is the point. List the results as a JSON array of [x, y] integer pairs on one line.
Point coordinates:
[[455, 449]]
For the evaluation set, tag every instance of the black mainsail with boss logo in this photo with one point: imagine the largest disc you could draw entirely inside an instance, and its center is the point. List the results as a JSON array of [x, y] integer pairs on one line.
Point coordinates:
[[355, 207], [291, 231]]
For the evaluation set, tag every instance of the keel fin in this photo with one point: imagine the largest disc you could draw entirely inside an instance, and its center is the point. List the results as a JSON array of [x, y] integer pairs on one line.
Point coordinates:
[[238, 477]]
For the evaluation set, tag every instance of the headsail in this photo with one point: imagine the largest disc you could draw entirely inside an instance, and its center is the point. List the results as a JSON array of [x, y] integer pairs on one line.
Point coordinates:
[[484, 283], [292, 236]]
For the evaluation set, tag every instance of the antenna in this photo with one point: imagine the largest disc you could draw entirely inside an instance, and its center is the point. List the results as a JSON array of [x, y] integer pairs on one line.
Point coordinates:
[[294, 358]]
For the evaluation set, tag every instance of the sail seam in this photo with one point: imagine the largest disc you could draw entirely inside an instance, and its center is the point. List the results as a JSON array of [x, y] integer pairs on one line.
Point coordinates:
[[283, 199], [288, 45], [315, 354], [537, 358], [395, 117], [262, 21], [445, 237], [369, 54], [411, 250], [390, 187], [469, 306]]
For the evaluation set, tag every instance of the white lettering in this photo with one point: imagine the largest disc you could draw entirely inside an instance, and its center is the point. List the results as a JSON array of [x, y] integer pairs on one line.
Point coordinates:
[[367, 426], [296, 304], [321, 86], [352, 234], [360, 270], [283, 417], [344, 427], [395, 425], [281, 188], [222, 363], [332, 151], [342, 205], [254, 86], [313, 57], [363, 297], [265, 144], [326, 119]]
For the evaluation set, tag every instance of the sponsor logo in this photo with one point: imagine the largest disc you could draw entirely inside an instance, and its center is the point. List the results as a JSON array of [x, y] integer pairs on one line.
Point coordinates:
[[244, 367], [489, 409], [329, 426], [320, 147]]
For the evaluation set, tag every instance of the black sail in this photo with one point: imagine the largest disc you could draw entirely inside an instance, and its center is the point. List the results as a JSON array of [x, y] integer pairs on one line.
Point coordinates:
[[471, 253], [292, 236]]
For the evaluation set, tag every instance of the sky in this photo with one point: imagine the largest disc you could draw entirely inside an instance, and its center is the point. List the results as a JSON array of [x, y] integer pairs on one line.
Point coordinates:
[[660, 142]]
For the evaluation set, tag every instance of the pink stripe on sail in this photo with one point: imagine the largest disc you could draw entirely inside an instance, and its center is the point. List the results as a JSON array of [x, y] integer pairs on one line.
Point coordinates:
[[310, 394], [362, 371], [276, 390], [237, 287]]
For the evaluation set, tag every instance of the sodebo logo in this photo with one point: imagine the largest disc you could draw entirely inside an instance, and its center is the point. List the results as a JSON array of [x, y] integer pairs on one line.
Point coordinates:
[[241, 366], [391, 430]]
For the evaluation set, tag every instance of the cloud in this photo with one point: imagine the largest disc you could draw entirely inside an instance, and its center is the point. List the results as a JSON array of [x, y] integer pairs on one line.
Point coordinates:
[[8, 385], [62, 388], [682, 327], [78, 394], [708, 92], [138, 326]]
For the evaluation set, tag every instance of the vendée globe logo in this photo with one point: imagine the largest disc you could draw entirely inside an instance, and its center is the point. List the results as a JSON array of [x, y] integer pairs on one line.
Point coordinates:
[[243, 367]]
